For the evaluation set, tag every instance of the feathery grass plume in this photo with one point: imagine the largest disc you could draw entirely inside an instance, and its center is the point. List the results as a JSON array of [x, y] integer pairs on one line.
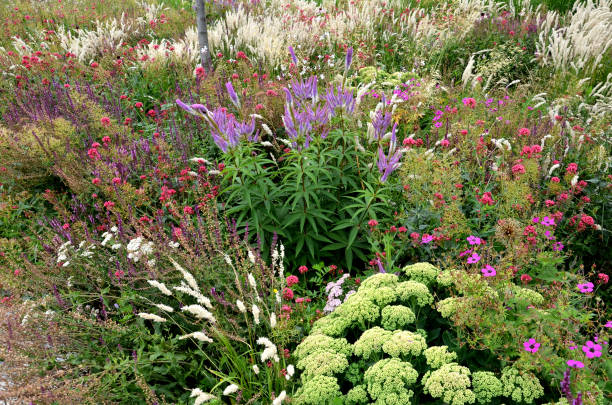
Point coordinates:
[[151, 317], [230, 389], [200, 397], [160, 286], [186, 275], [201, 336], [256, 312], [199, 312], [164, 307]]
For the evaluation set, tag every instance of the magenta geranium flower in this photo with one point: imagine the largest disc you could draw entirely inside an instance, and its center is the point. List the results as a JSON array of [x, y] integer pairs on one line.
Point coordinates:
[[586, 287], [575, 364], [465, 252], [474, 258], [426, 238], [488, 271], [591, 349], [531, 345], [608, 324], [536, 220], [558, 246], [474, 240], [547, 221]]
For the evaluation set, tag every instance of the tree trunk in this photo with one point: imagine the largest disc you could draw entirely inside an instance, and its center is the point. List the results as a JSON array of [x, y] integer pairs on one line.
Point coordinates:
[[203, 36]]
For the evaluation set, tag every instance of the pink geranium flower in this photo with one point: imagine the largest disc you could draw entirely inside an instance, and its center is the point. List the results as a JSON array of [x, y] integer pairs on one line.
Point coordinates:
[[531, 345], [586, 287], [591, 349], [575, 364], [488, 271]]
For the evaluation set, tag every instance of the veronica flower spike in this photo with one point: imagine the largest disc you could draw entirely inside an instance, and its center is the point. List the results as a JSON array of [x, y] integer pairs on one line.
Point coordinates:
[[232, 94], [387, 164], [349, 59]]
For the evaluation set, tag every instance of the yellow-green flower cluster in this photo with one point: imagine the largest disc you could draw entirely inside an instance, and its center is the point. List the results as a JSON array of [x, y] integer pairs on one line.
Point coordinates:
[[388, 381], [520, 387], [396, 316], [437, 356], [528, 296], [319, 342], [379, 280], [318, 390], [486, 386], [322, 363], [357, 395], [404, 343], [447, 307], [332, 325], [425, 273], [414, 292], [359, 309], [371, 342], [445, 278], [451, 382], [381, 296]]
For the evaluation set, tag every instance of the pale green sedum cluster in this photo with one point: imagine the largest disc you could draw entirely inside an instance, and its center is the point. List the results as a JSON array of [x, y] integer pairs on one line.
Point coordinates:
[[520, 387], [486, 386], [451, 382], [369, 350]]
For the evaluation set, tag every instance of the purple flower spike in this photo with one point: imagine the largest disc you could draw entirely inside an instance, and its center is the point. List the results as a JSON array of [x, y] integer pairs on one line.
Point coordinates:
[[295, 61], [387, 164], [184, 106], [232, 94], [349, 58]]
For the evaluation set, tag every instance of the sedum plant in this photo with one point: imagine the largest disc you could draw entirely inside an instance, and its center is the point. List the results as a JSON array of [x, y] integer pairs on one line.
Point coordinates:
[[373, 348]]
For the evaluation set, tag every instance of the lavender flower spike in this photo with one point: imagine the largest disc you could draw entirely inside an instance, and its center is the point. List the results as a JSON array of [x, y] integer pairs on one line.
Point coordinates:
[[349, 58], [387, 164], [295, 62], [232, 94], [185, 106]]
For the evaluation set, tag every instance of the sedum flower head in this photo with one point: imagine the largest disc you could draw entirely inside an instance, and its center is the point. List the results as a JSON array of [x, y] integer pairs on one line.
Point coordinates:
[[332, 325], [388, 381], [396, 317], [528, 296], [447, 307], [380, 280], [520, 387], [404, 343], [380, 296], [322, 363], [445, 278], [486, 386], [358, 310], [319, 342], [371, 342], [357, 395], [413, 291], [437, 356], [451, 382], [320, 389], [425, 273]]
